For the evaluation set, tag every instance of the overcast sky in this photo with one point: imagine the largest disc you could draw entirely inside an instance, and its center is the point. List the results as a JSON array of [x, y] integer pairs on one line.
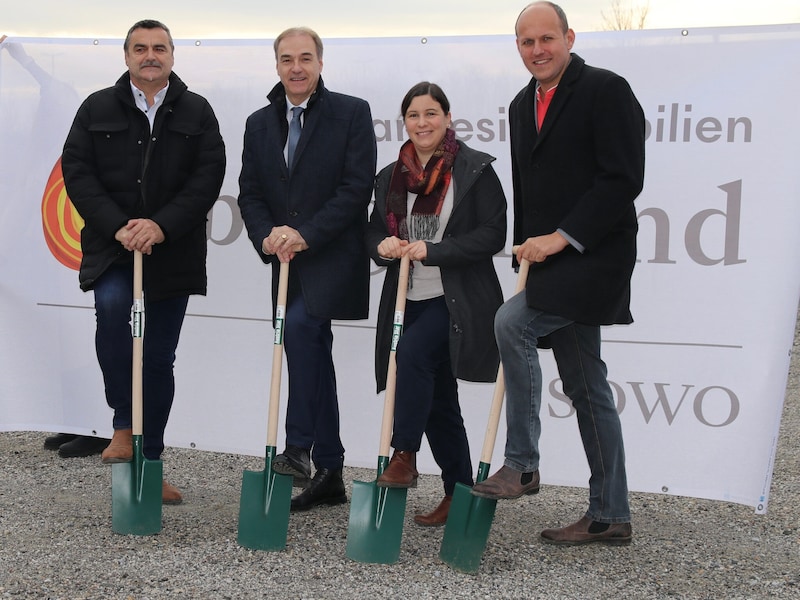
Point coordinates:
[[360, 18]]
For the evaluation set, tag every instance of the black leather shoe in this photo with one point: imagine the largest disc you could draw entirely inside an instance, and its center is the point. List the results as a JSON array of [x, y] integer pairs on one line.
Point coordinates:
[[54, 442], [294, 461], [83, 445], [327, 487]]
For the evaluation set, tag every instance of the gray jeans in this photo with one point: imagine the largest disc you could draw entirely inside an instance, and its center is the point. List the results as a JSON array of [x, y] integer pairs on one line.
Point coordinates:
[[576, 348]]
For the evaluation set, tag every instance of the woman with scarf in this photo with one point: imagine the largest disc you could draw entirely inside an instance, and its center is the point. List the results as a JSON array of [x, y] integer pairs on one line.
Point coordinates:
[[441, 204]]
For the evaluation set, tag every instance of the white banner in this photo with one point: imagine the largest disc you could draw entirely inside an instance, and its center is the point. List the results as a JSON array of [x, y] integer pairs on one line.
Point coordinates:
[[699, 377]]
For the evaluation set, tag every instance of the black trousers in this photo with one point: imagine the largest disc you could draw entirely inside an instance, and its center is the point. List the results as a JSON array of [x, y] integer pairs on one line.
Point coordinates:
[[427, 393]]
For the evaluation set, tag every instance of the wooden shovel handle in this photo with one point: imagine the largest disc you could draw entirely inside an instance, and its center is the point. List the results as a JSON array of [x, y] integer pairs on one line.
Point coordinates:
[[137, 401], [499, 385], [391, 375], [277, 356]]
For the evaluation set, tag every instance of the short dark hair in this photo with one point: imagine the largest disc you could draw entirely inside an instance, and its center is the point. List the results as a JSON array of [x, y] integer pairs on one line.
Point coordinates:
[[425, 88], [562, 16], [299, 31], [147, 24]]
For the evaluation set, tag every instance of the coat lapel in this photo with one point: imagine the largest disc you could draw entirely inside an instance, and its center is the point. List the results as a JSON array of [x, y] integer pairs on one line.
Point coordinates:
[[310, 120], [563, 92], [527, 116]]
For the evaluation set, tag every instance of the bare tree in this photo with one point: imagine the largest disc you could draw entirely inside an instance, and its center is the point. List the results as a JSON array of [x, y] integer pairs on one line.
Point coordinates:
[[625, 17]]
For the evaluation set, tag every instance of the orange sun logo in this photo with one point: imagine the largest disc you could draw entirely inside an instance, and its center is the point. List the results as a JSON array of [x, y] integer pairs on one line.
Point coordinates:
[[61, 222]]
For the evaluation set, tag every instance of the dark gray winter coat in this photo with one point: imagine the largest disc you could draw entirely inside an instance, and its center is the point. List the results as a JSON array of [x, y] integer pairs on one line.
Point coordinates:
[[475, 232]]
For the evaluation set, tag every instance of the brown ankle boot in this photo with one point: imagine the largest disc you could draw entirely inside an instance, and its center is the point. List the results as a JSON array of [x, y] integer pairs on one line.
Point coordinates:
[[170, 494], [438, 516], [401, 472], [120, 449]]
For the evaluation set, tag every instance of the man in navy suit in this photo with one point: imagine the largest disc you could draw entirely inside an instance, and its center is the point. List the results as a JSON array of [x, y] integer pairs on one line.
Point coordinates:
[[577, 149], [308, 167]]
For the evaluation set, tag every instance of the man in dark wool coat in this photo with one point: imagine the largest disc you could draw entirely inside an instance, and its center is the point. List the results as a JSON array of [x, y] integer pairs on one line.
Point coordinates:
[[577, 149], [308, 168]]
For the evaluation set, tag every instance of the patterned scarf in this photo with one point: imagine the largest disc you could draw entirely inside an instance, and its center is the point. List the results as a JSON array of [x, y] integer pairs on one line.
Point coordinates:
[[429, 183]]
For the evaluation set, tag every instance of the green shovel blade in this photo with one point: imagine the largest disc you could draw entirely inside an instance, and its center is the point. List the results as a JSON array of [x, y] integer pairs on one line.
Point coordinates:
[[375, 529], [264, 507], [136, 494], [467, 530]]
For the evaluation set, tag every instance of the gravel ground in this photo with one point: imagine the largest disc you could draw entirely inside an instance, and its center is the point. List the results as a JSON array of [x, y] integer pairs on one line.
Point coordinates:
[[56, 539]]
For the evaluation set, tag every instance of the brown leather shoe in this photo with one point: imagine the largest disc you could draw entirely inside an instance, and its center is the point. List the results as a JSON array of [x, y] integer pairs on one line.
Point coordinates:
[[120, 449], [507, 484], [438, 516], [401, 472], [578, 533], [170, 494]]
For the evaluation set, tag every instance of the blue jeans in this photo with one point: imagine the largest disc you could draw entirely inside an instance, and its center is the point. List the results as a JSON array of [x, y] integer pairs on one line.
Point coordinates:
[[312, 411], [427, 393], [576, 348], [113, 299]]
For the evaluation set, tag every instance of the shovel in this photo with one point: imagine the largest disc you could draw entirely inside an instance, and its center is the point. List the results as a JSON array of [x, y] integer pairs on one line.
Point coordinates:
[[375, 529], [136, 485], [470, 517], [266, 495]]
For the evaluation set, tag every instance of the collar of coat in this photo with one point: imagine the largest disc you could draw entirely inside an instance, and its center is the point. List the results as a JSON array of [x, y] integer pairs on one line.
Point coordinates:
[[571, 73], [123, 89], [278, 95], [468, 166], [527, 98]]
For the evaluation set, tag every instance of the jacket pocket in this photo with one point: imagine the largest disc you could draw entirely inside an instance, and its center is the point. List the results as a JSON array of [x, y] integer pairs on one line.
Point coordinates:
[[185, 128], [109, 128], [112, 152], [180, 145]]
